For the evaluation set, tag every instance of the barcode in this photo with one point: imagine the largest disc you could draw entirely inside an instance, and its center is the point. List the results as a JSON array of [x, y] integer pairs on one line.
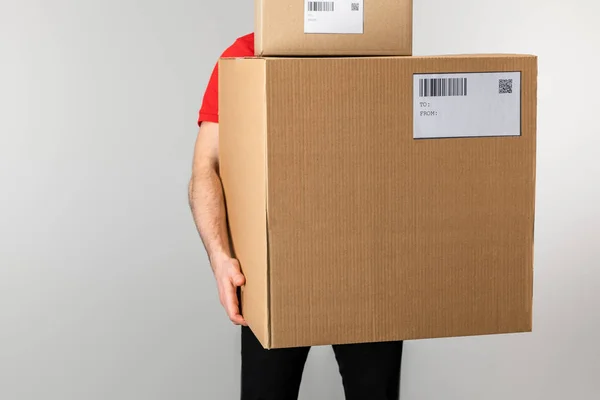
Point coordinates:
[[355, 7], [319, 6], [440, 87], [505, 86]]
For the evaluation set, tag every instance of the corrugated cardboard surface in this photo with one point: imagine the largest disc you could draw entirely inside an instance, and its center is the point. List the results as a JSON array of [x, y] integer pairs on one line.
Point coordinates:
[[243, 166], [348, 229], [279, 30]]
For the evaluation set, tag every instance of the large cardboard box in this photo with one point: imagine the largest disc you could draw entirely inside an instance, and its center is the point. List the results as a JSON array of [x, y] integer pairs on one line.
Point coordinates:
[[339, 27], [376, 199]]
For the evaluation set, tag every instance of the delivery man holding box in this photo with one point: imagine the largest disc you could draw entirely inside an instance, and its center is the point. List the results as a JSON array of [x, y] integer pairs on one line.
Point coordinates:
[[369, 371]]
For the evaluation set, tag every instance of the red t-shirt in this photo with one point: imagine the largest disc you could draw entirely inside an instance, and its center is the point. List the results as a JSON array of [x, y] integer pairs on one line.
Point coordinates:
[[209, 111]]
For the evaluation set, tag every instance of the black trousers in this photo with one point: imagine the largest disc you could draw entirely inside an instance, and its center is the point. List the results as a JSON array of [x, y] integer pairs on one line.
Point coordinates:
[[369, 371]]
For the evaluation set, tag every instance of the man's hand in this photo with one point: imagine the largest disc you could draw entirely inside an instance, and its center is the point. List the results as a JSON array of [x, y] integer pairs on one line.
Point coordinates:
[[229, 277]]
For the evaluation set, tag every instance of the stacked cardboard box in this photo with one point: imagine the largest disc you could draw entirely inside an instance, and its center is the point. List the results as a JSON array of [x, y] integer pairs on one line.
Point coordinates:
[[374, 195]]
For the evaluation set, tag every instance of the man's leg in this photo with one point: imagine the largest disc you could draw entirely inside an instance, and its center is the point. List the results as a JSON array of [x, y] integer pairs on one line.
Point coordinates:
[[270, 374], [370, 371]]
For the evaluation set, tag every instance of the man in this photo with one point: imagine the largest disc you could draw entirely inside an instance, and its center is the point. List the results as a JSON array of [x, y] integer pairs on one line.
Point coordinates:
[[369, 371]]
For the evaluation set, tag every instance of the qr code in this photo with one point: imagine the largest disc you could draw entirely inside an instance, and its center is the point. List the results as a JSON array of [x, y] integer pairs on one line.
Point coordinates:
[[355, 6], [505, 86]]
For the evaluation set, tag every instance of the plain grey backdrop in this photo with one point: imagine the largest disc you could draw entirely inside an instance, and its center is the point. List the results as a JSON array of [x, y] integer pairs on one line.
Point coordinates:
[[105, 291]]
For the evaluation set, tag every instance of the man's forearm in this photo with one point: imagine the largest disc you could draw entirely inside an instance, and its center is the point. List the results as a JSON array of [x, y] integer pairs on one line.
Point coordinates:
[[208, 209]]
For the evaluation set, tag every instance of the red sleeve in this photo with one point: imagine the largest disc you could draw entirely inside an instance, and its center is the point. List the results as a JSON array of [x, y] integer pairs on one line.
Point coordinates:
[[209, 111]]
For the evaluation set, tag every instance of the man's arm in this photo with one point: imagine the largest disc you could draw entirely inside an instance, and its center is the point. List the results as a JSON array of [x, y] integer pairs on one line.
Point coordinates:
[[205, 194]]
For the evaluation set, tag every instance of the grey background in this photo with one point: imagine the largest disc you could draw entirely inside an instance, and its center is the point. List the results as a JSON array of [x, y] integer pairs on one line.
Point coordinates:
[[105, 291]]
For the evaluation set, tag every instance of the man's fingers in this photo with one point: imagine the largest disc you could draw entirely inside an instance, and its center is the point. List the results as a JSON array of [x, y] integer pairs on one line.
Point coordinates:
[[229, 280], [236, 275], [232, 304], [238, 279], [238, 320]]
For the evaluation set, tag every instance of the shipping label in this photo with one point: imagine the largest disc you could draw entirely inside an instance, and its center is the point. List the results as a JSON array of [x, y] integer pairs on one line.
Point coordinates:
[[448, 105], [334, 17]]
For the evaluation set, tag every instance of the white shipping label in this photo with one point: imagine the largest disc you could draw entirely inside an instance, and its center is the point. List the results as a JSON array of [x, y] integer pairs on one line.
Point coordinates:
[[486, 104], [336, 16]]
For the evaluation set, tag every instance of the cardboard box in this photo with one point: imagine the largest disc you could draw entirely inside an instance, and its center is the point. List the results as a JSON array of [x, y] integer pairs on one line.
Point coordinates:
[[339, 27], [376, 199]]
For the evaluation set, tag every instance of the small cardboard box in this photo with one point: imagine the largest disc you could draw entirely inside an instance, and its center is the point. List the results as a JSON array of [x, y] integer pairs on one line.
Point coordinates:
[[338, 27], [384, 198]]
